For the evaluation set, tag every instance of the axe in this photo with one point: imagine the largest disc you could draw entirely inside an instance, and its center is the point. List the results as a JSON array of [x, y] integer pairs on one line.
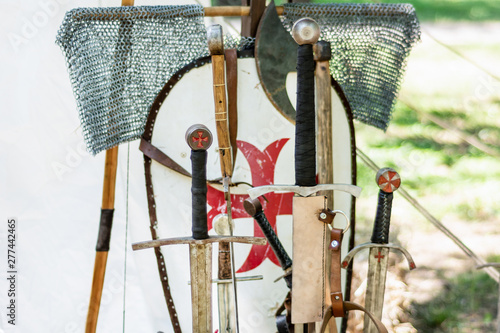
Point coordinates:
[[308, 238], [216, 48], [388, 181], [199, 138]]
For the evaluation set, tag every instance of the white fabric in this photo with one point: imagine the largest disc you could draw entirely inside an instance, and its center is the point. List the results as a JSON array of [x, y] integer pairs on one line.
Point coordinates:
[[53, 187]]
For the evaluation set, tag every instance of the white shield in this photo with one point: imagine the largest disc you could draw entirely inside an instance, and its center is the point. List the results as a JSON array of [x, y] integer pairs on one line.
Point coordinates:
[[265, 156]]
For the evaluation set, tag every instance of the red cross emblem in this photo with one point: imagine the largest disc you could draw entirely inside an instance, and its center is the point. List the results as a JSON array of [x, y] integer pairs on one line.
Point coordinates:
[[388, 180], [379, 256], [262, 165], [200, 139]]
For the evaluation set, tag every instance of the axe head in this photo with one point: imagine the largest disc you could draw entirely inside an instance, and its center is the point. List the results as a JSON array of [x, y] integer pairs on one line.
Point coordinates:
[[275, 56]]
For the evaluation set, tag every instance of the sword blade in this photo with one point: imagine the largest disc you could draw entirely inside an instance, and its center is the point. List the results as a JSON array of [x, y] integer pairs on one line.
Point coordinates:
[[375, 289], [226, 307], [200, 258]]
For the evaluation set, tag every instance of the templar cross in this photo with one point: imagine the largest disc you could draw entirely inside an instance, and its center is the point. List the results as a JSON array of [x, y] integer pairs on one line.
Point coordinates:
[[200, 139], [262, 165], [379, 256]]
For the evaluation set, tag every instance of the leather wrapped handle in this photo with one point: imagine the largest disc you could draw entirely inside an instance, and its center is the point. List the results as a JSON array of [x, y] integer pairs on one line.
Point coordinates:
[[305, 126], [199, 194], [380, 234], [388, 181], [104, 236], [254, 209]]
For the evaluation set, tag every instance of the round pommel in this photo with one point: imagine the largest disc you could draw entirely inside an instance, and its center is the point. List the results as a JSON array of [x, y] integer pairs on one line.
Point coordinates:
[[252, 207], [388, 180], [322, 51], [215, 39], [198, 137], [305, 31]]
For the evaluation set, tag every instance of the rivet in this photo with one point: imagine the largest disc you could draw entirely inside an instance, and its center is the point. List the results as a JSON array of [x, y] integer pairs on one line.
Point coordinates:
[[335, 243], [322, 216]]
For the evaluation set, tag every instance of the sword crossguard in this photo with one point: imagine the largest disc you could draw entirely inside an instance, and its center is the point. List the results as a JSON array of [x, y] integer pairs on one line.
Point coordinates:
[[191, 240], [354, 251], [304, 191]]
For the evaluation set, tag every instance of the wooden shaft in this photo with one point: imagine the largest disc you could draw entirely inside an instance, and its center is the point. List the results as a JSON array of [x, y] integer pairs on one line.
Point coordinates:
[[324, 138], [95, 295], [101, 257], [225, 11], [109, 183], [221, 119]]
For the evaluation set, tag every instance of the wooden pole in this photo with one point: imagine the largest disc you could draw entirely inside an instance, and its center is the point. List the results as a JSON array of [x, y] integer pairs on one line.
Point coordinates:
[[102, 247]]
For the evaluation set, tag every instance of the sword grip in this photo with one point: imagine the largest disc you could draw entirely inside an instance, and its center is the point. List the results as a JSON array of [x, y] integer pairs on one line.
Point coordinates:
[[305, 126], [254, 209], [199, 194], [382, 223]]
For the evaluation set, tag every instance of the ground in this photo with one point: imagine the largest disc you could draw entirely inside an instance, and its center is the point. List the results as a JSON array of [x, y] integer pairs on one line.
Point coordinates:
[[452, 79]]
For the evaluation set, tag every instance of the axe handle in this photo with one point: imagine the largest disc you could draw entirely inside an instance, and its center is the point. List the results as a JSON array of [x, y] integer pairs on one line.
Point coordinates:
[[305, 125], [199, 194], [221, 117], [103, 239], [382, 223]]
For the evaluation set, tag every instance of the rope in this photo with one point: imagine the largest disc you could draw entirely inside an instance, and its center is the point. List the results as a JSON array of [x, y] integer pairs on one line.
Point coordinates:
[[492, 272], [470, 139]]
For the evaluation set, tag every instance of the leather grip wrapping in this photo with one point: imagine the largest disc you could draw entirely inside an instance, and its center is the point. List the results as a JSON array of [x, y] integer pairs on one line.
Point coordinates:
[[305, 126], [382, 223], [104, 236], [199, 194], [273, 240]]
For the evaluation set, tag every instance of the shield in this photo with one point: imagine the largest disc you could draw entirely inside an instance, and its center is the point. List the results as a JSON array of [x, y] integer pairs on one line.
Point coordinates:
[[265, 145]]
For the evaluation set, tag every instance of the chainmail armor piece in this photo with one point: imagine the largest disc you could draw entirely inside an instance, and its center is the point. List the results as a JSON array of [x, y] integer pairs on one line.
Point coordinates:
[[370, 44], [119, 58]]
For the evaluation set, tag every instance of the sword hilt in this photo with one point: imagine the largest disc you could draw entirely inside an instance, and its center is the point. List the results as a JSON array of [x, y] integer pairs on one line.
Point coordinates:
[[388, 181], [254, 209], [199, 138], [306, 33]]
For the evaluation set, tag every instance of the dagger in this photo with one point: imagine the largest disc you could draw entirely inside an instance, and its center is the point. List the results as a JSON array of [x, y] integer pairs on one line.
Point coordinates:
[[308, 232]]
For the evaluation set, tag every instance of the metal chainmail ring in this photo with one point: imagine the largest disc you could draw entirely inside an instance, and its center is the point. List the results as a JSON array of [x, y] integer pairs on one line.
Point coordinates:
[[120, 57]]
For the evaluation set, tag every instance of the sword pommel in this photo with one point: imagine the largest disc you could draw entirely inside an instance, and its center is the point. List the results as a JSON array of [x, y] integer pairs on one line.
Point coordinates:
[[388, 181], [305, 31], [215, 39], [199, 138]]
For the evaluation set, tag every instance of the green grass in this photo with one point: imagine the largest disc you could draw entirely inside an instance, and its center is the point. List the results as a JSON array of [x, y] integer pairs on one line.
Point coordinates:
[[446, 10], [467, 304]]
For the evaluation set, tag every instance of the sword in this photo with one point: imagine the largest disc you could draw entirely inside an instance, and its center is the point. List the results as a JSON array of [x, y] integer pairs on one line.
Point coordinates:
[[199, 138], [309, 278], [388, 181], [216, 47]]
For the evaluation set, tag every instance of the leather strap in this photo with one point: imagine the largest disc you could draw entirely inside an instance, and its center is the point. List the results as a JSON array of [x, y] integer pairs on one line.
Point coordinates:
[[159, 256], [232, 97], [156, 154], [339, 307], [335, 282], [349, 306]]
